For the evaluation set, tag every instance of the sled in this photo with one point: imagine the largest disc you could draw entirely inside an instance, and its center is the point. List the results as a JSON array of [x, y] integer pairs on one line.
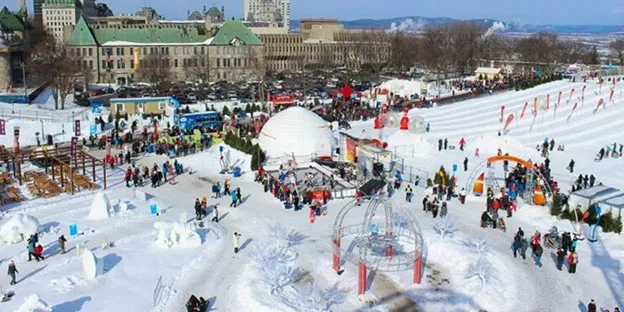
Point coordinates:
[[173, 181], [7, 296], [451, 147]]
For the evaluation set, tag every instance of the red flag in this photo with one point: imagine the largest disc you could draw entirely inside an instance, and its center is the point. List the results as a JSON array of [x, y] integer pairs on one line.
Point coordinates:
[[502, 112], [510, 118], [600, 102], [570, 98], [559, 98], [547, 101], [535, 107], [611, 95], [574, 108], [524, 109]]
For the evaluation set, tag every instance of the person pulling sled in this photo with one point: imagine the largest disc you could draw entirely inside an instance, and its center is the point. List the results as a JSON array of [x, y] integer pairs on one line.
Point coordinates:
[[196, 305]]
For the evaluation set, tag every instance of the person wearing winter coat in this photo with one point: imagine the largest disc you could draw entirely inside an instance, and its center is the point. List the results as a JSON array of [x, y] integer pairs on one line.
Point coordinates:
[[31, 248], [591, 307], [443, 210], [439, 145], [236, 241], [537, 252], [516, 245], [216, 215], [424, 202], [485, 218], [572, 262], [561, 253], [524, 245], [465, 163], [445, 143], [128, 176], [12, 272], [239, 196], [234, 199], [62, 240], [592, 180], [165, 171], [39, 252], [573, 244], [462, 143], [198, 213], [462, 196], [571, 166], [494, 218], [566, 242]]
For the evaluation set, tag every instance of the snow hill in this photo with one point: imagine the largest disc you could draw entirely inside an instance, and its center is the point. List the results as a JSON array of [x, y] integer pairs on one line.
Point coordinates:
[[141, 275]]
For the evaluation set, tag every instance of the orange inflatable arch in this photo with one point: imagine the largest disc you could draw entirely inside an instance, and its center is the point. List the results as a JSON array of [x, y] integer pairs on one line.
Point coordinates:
[[515, 159]]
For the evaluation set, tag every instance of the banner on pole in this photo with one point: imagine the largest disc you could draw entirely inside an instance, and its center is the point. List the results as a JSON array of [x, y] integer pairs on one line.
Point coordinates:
[[611, 95], [559, 98], [77, 127], [535, 107], [570, 97], [2, 127], [510, 119], [73, 146], [524, 109], [547, 101], [600, 103], [16, 133]]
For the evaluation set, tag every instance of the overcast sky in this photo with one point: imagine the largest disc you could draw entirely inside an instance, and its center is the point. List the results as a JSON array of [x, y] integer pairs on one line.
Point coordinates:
[[603, 12]]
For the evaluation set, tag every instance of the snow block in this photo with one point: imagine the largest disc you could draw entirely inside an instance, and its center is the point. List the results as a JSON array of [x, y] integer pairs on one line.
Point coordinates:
[[100, 207], [176, 235], [73, 230], [18, 228], [34, 304], [91, 265]]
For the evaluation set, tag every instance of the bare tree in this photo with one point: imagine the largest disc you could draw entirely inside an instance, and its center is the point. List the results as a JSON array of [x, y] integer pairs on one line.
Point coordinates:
[[617, 50], [436, 46], [156, 69], [56, 64], [375, 50], [399, 46], [198, 68], [86, 73], [257, 66], [541, 47], [326, 57]]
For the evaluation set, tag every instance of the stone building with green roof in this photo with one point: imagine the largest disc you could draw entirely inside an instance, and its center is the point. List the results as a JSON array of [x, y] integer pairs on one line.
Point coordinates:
[[116, 53], [14, 42]]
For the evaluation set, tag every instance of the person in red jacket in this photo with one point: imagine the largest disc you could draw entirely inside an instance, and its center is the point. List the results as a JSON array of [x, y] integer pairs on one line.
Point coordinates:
[[39, 252], [462, 143], [128, 176]]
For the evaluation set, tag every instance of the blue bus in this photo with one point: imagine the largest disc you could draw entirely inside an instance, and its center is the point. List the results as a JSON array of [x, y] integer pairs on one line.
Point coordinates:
[[190, 121]]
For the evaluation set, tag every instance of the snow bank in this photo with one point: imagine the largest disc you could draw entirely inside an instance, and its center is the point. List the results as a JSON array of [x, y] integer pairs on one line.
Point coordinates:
[[402, 87], [410, 144], [18, 228], [34, 304], [91, 265], [176, 235], [100, 207], [488, 146]]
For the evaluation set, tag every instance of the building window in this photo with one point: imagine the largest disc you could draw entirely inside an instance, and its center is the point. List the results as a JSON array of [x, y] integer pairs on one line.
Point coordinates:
[[103, 64], [90, 64], [167, 50], [161, 105], [131, 63], [202, 50], [218, 63], [90, 51], [175, 63], [119, 107], [78, 52]]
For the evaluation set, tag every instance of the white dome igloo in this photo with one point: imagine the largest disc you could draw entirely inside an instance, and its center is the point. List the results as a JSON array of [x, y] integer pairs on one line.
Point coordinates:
[[298, 131]]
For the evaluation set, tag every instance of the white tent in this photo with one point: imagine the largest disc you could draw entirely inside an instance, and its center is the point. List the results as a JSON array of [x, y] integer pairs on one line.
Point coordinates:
[[297, 131]]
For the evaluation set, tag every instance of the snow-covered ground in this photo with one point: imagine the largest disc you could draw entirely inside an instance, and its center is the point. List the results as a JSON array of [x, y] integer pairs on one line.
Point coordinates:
[[134, 265]]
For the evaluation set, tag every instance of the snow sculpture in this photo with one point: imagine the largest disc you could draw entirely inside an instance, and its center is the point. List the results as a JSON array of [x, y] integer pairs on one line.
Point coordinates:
[[176, 234], [100, 207], [444, 227], [91, 265], [17, 228], [34, 304]]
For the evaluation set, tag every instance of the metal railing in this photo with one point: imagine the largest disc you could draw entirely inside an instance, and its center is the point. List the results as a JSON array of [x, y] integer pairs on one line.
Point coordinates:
[[36, 114]]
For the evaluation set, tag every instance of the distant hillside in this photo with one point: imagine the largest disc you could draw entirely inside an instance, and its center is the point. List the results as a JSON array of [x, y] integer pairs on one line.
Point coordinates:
[[418, 23]]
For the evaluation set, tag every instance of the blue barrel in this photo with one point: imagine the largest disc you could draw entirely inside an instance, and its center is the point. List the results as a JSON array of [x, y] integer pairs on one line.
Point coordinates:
[[236, 172], [149, 148]]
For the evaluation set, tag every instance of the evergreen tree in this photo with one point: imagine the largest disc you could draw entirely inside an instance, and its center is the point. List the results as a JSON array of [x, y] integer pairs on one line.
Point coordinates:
[[225, 111]]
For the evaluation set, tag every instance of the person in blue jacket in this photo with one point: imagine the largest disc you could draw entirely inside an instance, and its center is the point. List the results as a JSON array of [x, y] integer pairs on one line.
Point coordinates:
[[164, 171], [234, 196]]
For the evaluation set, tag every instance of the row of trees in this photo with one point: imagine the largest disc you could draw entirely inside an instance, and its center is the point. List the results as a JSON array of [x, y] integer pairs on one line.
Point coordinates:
[[461, 47]]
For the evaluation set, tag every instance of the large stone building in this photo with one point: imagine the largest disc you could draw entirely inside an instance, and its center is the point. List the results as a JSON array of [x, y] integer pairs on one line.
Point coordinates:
[[60, 13], [14, 42], [117, 53], [275, 12], [324, 44]]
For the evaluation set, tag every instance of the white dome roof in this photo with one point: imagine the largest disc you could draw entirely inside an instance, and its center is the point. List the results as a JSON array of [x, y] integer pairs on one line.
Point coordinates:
[[296, 130]]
